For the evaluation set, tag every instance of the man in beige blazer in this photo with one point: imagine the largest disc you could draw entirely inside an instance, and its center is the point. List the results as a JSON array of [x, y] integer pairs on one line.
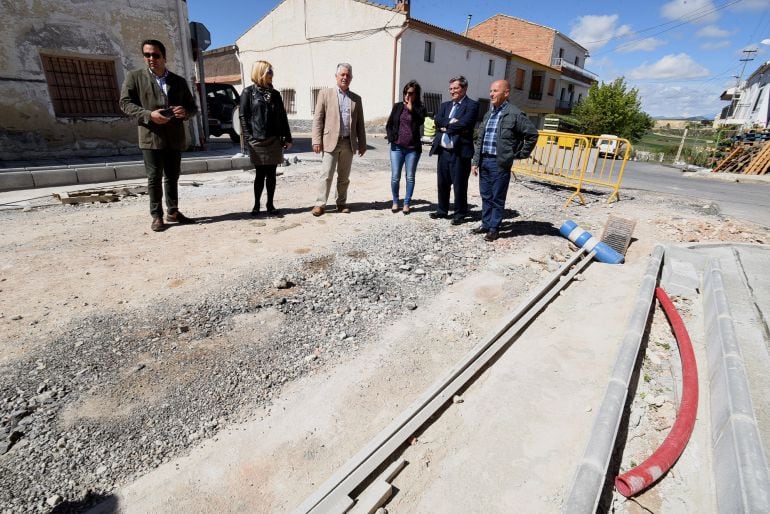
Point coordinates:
[[338, 132]]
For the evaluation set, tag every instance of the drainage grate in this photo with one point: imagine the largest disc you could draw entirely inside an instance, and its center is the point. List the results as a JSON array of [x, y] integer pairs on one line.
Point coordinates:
[[617, 233]]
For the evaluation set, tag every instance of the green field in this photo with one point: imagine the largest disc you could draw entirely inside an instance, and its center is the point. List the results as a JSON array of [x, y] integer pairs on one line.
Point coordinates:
[[697, 147]]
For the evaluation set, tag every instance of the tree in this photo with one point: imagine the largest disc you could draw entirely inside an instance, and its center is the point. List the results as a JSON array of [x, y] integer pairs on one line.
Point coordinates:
[[612, 109]]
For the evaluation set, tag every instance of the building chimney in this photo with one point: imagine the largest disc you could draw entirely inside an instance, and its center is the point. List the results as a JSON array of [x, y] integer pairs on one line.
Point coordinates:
[[403, 7]]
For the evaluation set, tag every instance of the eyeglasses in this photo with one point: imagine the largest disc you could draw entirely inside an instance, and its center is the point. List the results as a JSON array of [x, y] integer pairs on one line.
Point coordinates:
[[154, 55]]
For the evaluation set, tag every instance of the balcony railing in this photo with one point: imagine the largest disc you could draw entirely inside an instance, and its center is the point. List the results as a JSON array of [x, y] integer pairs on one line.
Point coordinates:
[[535, 95], [564, 104], [561, 63]]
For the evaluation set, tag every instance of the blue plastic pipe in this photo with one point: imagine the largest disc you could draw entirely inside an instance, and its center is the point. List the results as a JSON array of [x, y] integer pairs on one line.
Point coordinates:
[[584, 239]]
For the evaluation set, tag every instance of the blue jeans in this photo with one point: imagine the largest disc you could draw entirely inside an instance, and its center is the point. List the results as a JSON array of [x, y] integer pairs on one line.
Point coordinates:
[[493, 186], [398, 157]]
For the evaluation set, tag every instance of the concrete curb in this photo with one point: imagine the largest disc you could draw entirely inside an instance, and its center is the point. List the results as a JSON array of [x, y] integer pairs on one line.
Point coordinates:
[[740, 466], [728, 177], [592, 470], [90, 174]]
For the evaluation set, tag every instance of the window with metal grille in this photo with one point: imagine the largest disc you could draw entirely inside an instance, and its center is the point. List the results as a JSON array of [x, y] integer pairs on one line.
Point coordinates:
[[431, 101], [288, 101], [314, 98], [82, 87]]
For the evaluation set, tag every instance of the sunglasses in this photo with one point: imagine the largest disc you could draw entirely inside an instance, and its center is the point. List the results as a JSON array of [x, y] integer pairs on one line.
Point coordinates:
[[270, 71], [154, 55]]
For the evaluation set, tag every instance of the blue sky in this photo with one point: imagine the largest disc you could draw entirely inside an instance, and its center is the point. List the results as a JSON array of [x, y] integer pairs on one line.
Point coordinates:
[[680, 54]]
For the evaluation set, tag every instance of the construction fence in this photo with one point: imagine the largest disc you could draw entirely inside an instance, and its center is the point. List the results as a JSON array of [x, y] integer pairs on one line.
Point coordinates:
[[577, 160]]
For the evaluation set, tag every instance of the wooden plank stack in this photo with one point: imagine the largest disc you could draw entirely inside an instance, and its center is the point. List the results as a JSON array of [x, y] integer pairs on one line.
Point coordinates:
[[748, 160]]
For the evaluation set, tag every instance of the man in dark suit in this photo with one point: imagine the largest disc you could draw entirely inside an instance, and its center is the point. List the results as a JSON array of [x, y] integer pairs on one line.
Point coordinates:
[[455, 121], [160, 101]]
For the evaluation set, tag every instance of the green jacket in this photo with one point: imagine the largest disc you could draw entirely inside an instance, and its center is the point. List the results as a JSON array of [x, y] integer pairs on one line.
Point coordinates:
[[516, 137], [141, 95]]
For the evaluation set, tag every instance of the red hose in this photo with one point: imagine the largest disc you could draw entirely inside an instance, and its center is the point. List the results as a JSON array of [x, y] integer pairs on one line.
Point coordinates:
[[645, 474]]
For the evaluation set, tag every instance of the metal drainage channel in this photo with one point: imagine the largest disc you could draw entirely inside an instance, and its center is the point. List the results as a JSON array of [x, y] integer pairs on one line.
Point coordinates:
[[335, 494]]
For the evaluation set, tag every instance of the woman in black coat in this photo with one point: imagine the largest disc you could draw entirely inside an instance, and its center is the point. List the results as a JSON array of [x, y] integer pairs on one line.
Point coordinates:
[[403, 129], [265, 130]]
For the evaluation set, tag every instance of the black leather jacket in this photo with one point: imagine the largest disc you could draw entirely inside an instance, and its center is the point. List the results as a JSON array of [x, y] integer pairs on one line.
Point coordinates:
[[263, 115], [394, 120]]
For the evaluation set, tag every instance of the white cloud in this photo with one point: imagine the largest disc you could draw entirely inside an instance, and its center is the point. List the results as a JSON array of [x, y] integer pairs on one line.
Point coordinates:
[[751, 5], [718, 45], [593, 31], [672, 66], [712, 31], [643, 45], [690, 10], [679, 100]]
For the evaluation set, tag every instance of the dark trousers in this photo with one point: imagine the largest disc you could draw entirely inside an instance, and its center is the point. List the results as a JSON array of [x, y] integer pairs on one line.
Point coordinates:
[[453, 172], [163, 168], [265, 176], [493, 186]]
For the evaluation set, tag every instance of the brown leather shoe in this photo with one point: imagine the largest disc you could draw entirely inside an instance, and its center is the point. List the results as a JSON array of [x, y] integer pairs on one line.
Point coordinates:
[[344, 209], [318, 210], [178, 217], [157, 224]]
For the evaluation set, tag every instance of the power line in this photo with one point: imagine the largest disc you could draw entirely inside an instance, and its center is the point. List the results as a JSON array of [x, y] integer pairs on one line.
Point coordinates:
[[686, 18]]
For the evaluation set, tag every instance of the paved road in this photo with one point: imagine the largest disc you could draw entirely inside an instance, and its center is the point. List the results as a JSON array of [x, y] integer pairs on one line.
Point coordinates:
[[745, 200]]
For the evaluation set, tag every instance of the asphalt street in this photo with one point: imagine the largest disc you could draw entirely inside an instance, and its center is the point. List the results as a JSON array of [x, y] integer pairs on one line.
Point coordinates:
[[748, 201]]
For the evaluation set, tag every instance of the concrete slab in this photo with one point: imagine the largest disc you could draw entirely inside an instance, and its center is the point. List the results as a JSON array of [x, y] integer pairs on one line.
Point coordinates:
[[50, 178], [219, 164], [16, 180], [242, 163], [96, 174], [195, 166], [130, 171]]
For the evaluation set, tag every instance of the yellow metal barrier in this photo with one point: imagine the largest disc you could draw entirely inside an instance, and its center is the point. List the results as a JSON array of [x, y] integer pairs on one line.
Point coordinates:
[[571, 160]]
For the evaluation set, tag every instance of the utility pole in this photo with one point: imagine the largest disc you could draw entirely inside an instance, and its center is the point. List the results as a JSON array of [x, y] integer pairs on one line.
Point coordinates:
[[467, 25], [681, 144]]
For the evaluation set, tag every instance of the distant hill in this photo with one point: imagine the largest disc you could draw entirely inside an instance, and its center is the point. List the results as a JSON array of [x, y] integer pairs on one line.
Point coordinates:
[[689, 118]]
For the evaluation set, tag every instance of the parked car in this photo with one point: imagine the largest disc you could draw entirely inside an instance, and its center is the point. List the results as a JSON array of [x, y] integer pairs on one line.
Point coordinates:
[[223, 101], [607, 147]]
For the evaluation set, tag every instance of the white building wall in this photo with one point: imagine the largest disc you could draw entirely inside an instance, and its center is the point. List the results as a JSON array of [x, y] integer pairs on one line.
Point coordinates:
[[304, 41], [571, 51], [755, 95], [450, 59]]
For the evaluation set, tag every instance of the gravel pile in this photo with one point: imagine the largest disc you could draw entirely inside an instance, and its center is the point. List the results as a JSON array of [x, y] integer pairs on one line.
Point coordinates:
[[113, 396]]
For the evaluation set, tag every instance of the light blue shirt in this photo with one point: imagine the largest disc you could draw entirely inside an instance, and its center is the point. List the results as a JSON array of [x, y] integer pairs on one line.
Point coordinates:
[[345, 104], [161, 83]]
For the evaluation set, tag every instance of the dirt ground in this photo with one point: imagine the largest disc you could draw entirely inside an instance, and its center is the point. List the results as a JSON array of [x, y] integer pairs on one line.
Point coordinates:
[[507, 447]]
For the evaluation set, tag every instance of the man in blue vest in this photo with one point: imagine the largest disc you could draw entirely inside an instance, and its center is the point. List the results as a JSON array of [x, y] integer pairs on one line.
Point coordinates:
[[505, 135]]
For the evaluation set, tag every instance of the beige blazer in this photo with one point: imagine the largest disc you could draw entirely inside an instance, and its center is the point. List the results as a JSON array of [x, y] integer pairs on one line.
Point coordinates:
[[326, 121]]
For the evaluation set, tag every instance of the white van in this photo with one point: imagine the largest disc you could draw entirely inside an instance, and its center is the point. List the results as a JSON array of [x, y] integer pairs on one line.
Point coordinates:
[[607, 147]]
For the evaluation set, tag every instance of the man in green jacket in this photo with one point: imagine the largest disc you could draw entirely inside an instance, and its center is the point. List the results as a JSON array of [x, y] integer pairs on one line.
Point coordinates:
[[505, 134], [160, 101]]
